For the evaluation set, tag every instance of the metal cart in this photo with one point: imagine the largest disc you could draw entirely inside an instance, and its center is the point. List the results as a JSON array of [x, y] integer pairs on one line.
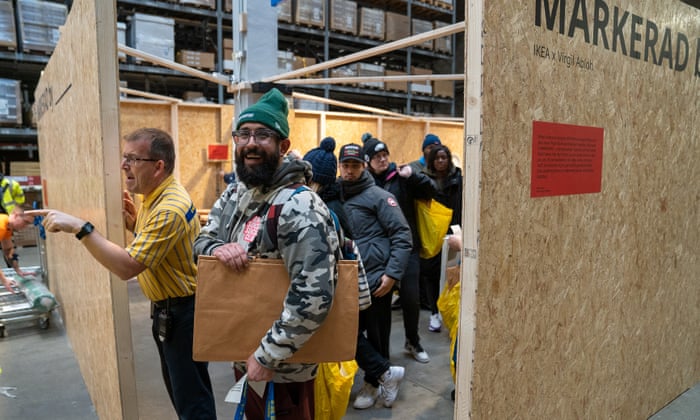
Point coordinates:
[[15, 306]]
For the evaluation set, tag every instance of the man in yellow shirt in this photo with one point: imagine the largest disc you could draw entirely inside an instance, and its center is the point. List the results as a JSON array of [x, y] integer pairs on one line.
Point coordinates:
[[160, 256]]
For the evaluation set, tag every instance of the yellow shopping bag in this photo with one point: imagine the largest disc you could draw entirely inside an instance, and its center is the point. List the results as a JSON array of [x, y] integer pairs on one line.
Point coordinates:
[[433, 220], [448, 305], [332, 389]]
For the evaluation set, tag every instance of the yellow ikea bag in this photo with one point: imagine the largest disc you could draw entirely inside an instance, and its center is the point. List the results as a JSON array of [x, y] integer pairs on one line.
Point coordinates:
[[448, 305], [332, 389], [433, 220]]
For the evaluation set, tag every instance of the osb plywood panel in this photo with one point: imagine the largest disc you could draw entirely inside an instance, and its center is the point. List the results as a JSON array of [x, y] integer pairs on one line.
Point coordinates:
[[197, 127], [304, 130], [404, 139], [76, 109], [348, 128], [138, 114], [587, 305]]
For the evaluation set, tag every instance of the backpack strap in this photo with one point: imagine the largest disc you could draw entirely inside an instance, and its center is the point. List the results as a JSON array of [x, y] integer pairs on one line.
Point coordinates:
[[271, 214]]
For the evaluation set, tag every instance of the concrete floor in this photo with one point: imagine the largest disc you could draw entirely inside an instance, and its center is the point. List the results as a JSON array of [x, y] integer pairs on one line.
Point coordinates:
[[42, 369], [40, 377]]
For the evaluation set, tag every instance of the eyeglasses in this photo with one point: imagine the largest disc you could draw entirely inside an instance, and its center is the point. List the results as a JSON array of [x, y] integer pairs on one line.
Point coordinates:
[[262, 136], [130, 160]]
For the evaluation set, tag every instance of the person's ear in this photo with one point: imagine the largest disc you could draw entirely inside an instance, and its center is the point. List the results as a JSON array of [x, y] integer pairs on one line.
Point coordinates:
[[284, 146]]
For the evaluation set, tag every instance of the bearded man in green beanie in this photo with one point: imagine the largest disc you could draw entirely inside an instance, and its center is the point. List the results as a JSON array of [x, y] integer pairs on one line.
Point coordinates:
[[306, 240]]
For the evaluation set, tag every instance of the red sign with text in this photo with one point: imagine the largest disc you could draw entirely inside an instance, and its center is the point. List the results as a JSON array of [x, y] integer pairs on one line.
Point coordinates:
[[566, 159], [217, 152]]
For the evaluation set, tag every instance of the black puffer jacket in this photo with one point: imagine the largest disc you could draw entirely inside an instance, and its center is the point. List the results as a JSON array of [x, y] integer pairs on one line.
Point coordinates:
[[379, 229], [450, 194], [418, 186]]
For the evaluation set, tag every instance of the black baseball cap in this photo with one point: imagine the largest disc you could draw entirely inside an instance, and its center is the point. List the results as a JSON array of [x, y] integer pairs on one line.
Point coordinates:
[[351, 152]]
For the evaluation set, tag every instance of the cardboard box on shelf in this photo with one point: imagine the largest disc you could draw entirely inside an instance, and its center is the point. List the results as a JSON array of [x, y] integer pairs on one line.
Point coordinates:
[[121, 39], [284, 11], [25, 169], [349, 70], [10, 103], [372, 70], [8, 35], [38, 24], [371, 23], [419, 26], [191, 95], [228, 49], [285, 61], [301, 62], [443, 44], [196, 59], [444, 88], [344, 16], [200, 3], [152, 34], [423, 88], [310, 13], [395, 86], [398, 26]]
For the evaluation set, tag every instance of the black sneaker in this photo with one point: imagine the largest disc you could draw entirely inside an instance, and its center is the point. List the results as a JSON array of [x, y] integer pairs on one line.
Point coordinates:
[[417, 352]]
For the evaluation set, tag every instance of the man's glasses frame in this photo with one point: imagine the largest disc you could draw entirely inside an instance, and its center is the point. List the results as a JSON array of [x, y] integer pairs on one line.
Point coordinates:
[[131, 160], [262, 136]]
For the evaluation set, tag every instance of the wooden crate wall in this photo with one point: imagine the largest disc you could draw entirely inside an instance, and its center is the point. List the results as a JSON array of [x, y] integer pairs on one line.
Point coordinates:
[[77, 114], [587, 304]]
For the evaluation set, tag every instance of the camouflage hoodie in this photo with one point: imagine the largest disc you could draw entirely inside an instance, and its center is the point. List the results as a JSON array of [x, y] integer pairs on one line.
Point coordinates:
[[306, 241]]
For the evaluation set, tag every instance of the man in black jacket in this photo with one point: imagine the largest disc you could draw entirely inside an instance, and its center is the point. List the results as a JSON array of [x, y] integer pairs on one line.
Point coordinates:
[[382, 234], [407, 185]]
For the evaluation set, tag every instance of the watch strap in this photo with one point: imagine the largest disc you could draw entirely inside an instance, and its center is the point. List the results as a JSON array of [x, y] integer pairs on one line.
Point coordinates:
[[85, 230]]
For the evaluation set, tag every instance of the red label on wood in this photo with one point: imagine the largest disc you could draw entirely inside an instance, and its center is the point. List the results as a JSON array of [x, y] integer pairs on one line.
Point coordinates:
[[217, 152], [566, 159]]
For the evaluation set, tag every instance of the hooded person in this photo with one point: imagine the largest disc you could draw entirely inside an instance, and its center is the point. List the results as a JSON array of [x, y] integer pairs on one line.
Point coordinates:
[[306, 241], [407, 186]]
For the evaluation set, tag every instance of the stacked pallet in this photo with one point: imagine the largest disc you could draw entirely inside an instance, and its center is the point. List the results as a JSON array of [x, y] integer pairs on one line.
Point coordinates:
[[152, 34], [10, 103], [38, 24], [8, 36]]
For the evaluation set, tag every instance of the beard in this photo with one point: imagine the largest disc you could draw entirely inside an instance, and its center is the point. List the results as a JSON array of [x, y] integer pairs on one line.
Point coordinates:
[[261, 174]]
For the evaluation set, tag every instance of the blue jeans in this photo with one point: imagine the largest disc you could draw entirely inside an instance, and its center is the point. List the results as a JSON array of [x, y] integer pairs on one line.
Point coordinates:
[[187, 381], [372, 352]]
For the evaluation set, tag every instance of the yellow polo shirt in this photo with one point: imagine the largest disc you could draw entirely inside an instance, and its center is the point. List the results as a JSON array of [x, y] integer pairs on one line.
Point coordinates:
[[166, 227]]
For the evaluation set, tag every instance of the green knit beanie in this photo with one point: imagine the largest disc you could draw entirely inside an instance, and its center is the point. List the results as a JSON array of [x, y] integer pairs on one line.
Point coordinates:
[[271, 110]]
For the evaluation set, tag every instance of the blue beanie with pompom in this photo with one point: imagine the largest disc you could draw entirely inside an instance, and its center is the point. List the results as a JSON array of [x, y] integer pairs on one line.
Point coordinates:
[[324, 164]]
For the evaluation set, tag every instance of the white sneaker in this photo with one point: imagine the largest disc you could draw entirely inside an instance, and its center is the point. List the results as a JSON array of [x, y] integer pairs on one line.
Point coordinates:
[[390, 384], [366, 397], [435, 323], [417, 352]]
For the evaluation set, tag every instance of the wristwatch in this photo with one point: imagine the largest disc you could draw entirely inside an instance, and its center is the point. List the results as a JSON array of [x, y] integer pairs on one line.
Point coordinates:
[[85, 230]]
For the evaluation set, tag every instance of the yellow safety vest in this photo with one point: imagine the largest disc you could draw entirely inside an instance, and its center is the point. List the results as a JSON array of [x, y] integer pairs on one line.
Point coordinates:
[[12, 194]]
